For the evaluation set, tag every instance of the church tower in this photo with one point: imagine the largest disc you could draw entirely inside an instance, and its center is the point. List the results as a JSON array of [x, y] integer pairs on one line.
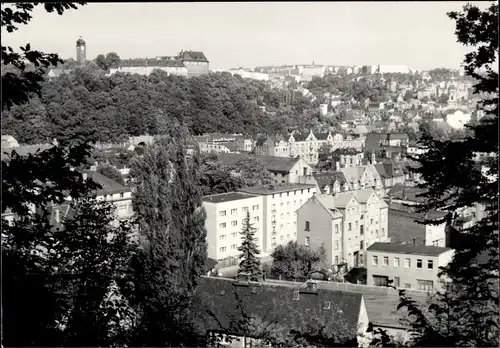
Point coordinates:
[[81, 52]]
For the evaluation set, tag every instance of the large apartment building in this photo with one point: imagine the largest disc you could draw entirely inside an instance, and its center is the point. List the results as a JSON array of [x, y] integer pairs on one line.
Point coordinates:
[[307, 146], [345, 224], [280, 203], [275, 146], [225, 215], [408, 266]]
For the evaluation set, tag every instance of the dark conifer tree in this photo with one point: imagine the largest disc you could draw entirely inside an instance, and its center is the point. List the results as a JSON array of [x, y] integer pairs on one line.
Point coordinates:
[[250, 263]]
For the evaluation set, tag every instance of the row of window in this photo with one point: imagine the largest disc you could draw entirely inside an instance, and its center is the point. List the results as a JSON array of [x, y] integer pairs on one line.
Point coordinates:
[[288, 193], [282, 204], [235, 222], [235, 210], [349, 227], [396, 262], [234, 234]]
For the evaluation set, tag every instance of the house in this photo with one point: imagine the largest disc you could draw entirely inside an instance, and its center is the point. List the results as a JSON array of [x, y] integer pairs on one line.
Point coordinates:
[[292, 306], [272, 146], [226, 214], [280, 203], [195, 62], [391, 173], [113, 192], [364, 177], [331, 182], [348, 157], [395, 139], [283, 169], [343, 224], [307, 146], [56, 72], [408, 266]]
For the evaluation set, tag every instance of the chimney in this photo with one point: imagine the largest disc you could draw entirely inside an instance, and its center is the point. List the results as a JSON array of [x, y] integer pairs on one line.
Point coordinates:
[[374, 158], [57, 215]]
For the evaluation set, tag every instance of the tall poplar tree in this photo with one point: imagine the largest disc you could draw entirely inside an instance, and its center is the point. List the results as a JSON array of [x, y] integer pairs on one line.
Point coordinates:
[[168, 204], [467, 312], [250, 263]]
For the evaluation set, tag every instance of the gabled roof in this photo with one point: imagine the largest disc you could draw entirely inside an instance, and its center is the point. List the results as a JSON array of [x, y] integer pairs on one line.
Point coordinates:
[[342, 199], [300, 136], [353, 174], [328, 202], [225, 299], [193, 56], [363, 195], [408, 249], [109, 186], [329, 178]]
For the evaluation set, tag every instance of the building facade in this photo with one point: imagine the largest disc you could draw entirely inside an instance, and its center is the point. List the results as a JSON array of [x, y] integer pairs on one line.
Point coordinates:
[[408, 266], [195, 62], [81, 52], [344, 224], [226, 213], [280, 203]]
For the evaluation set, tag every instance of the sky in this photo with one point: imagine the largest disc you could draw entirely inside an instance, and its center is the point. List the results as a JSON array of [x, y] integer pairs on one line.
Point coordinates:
[[416, 34]]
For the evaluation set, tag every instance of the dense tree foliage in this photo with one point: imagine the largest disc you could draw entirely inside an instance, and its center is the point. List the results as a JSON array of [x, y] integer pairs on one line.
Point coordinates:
[[294, 261], [110, 172], [466, 313], [170, 217], [56, 279], [120, 105], [217, 178]]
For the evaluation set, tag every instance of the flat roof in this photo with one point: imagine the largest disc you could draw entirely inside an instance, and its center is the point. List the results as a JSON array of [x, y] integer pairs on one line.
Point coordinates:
[[276, 188], [409, 249], [227, 197]]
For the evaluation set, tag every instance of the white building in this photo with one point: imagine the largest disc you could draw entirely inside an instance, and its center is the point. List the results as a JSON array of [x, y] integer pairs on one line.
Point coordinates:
[[225, 215], [280, 203], [458, 119], [409, 266]]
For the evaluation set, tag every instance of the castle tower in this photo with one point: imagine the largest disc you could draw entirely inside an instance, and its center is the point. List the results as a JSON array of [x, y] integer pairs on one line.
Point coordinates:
[[81, 52]]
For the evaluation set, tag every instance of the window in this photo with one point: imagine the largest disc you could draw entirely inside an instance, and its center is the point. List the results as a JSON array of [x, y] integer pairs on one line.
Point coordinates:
[[273, 206], [244, 209], [222, 249], [222, 237], [375, 260], [336, 229], [407, 285], [307, 241], [396, 262], [256, 218], [371, 221], [380, 280], [425, 285], [233, 234], [383, 231], [307, 226], [356, 225], [222, 225], [407, 263], [361, 230], [222, 213], [336, 245], [336, 260], [255, 207], [361, 259], [234, 211], [349, 227], [430, 264], [396, 282], [361, 245], [419, 263], [121, 195], [282, 204], [386, 261], [234, 223]]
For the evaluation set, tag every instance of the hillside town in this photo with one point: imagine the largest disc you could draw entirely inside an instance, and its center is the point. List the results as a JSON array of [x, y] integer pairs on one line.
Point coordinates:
[[297, 205]]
